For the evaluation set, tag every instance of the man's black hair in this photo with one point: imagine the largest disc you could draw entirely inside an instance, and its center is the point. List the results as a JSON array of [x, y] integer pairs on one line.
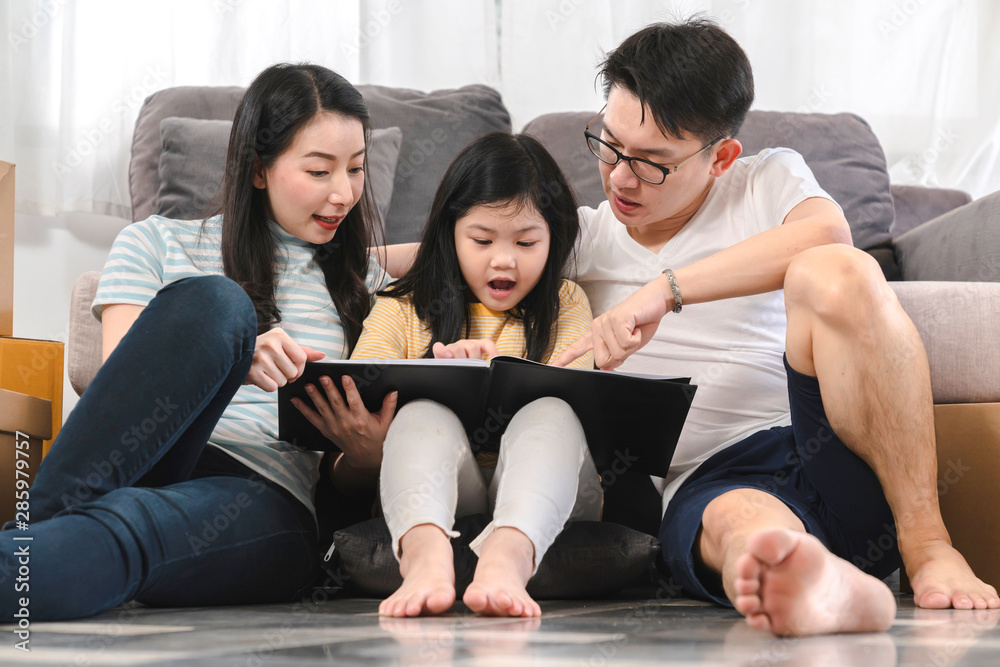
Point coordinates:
[[692, 76]]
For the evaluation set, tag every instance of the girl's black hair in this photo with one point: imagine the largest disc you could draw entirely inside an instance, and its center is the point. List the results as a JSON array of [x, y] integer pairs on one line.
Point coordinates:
[[495, 170], [281, 101]]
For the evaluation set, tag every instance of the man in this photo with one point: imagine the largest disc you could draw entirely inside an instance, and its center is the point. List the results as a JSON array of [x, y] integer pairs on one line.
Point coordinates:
[[787, 467]]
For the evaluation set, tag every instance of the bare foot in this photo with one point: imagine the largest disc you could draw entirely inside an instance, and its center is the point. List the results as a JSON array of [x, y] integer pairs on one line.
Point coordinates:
[[788, 583], [505, 565], [941, 579], [427, 564]]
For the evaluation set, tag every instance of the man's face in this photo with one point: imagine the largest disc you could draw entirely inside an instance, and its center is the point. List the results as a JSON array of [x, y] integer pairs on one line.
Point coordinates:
[[638, 204]]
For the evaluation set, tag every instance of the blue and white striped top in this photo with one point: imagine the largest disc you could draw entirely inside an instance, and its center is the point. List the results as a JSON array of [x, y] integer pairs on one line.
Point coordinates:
[[150, 254]]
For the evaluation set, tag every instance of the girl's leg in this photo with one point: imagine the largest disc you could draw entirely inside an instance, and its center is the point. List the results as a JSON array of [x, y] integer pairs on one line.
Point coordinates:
[[545, 477], [207, 541], [149, 411], [428, 475]]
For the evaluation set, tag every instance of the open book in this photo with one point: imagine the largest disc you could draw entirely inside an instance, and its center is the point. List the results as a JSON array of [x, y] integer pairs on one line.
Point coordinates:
[[631, 419]]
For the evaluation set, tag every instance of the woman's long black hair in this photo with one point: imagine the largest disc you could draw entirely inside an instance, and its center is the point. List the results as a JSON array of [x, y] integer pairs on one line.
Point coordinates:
[[495, 170], [280, 101]]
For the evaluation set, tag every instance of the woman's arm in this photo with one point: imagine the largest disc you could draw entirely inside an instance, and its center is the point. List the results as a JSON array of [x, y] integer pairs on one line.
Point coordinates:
[[397, 259], [116, 320]]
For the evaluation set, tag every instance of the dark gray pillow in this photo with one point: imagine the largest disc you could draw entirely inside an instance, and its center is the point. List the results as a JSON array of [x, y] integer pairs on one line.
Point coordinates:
[[436, 126], [963, 244], [194, 157], [588, 559]]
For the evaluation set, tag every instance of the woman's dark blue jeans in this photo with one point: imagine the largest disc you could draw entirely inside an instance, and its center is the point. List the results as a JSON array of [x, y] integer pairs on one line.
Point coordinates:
[[130, 504]]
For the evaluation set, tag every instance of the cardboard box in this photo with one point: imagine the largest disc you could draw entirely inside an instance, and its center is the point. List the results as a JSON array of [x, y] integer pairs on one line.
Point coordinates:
[[24, 423], [35, 368], [968, 445], [6, 248]]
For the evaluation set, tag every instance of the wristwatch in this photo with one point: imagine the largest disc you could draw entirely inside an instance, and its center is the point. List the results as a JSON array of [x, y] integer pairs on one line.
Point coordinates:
[[674, 288]]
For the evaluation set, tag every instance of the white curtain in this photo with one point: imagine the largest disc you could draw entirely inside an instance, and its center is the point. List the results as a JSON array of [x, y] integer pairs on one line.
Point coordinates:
[[925, 74], [74, 73]]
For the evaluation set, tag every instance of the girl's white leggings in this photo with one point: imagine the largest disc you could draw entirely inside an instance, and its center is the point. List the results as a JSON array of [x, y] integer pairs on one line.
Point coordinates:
[[544, 477]]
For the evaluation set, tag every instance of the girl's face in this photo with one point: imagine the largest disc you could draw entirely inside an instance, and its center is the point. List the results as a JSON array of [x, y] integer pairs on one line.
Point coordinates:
[[502, 251], [313, 185]]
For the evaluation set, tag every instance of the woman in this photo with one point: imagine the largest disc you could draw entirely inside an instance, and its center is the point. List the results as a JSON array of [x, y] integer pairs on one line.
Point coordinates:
[[168, 484]]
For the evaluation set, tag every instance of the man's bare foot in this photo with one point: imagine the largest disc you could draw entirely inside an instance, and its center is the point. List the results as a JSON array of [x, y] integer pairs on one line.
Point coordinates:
[[505, 565], [942, 578], [788, 583], [427, 564]]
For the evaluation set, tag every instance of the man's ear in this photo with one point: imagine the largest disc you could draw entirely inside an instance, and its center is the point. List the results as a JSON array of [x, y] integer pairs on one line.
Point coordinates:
[[726, 153], [259, 177]]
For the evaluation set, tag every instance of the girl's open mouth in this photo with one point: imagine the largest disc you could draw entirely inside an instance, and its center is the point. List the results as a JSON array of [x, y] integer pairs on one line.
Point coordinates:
[[501, 288]]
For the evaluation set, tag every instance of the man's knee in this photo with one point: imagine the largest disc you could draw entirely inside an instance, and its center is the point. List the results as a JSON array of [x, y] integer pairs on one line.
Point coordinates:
[[739, 509], [836, 282]]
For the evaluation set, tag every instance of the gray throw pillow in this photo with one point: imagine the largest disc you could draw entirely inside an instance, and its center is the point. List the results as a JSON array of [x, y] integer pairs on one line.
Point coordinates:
[[589, 559], [436, 126], [194, 158]]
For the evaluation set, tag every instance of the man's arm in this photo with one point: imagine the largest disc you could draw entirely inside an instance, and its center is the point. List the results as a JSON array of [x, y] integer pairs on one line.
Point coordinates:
[[753, 266]]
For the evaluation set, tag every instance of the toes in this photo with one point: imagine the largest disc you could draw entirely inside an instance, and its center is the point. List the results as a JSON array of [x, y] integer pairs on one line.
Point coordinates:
[[747, 604], [933, 600], [759, 622], [962, 601]]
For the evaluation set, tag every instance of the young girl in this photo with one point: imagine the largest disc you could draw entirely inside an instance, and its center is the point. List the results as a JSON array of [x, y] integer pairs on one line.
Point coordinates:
[[486, 281], [167, 483]]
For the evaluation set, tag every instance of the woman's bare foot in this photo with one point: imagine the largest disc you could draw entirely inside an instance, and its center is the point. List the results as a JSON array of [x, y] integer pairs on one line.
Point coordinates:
[[788, 583], [942, 578], [505, 565], [427, 564]]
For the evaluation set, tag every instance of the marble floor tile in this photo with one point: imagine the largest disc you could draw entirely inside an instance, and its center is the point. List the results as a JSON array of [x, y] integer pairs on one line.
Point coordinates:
[[578, 633]]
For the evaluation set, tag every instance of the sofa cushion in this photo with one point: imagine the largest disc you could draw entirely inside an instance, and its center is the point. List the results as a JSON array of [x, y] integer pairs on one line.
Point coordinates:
[[588, 559], [193, 160], [916, 204], [562, 136], [963, 244], [957, 322], [436, 126]]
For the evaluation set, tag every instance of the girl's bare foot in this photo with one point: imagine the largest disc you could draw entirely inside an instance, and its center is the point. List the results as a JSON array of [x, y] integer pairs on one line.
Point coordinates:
[[505, 565], [427, 564], [788, 583]]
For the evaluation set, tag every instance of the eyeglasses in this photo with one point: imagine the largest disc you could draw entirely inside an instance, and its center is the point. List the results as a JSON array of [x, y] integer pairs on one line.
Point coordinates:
[[647, 171]]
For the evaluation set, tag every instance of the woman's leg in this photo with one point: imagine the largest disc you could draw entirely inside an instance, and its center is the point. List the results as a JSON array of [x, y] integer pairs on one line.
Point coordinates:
[[545, 476], [207, 541], [428, 474], [149, 411]]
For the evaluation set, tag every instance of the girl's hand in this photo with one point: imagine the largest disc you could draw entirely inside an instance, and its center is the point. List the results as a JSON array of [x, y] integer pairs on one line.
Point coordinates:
[[357, 432], [478, 348], [278, 360]]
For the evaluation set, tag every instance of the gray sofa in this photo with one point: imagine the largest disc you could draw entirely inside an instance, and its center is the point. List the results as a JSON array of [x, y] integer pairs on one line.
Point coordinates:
[[948, 268]]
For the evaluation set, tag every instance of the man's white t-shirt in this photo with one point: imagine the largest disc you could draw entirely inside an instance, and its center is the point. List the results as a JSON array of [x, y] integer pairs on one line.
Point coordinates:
[[732, 349]]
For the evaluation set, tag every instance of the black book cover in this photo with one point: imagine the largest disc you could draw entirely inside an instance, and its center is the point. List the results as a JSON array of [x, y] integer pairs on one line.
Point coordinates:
[[630, 420]]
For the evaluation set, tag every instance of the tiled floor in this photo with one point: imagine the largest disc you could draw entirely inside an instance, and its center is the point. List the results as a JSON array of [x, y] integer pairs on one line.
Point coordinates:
[[349, 632]]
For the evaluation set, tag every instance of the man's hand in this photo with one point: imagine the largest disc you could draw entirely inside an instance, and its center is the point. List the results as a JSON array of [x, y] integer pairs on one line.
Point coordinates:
[[278, 360], [620, 332], [359, 433], [478, 348]]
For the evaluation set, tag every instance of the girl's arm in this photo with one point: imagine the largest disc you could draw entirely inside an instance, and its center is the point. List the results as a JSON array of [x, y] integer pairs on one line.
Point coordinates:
[[572, 322], [116, 320], [396, 259]]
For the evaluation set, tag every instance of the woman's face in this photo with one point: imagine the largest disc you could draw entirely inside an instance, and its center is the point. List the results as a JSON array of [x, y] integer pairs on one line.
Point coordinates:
[[502, 252], [313, 185]]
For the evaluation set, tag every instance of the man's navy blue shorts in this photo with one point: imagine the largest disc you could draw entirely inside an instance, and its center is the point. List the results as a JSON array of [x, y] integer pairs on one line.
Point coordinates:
[[832, 491]]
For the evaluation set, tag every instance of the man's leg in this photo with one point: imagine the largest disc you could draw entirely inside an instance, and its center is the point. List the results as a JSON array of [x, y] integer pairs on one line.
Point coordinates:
[[846, 328]]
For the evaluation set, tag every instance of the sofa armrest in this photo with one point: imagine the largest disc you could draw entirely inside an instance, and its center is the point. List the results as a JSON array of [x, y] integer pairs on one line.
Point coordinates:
[[957, 322], [963, 244], [915, 205], [83, 353]]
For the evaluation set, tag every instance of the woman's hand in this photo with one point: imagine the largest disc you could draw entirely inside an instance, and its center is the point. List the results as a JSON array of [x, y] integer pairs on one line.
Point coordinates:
[[477, 348], [278, 360], [357, 432]]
